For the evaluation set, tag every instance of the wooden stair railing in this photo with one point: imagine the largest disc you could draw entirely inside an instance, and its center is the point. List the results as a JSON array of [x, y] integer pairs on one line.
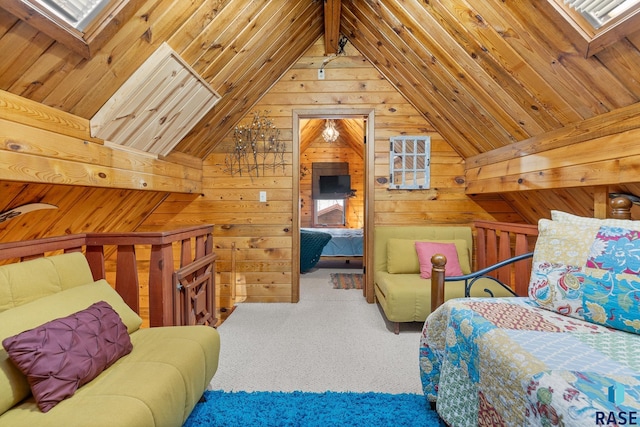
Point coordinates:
[[500, 242], [168, 301], [496, 243]]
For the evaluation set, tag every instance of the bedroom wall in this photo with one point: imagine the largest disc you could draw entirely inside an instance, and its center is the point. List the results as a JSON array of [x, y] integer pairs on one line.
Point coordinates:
[[262, 232], [339, 151]]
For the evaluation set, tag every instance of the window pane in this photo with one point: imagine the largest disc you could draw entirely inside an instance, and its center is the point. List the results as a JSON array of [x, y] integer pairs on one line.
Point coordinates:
[[409, 162]]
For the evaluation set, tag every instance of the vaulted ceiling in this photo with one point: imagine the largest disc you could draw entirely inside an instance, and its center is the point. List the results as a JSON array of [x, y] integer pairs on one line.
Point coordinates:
[[486, 74]]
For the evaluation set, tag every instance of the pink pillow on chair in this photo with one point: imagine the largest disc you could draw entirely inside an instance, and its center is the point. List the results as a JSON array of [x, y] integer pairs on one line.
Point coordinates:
[[426, 250]]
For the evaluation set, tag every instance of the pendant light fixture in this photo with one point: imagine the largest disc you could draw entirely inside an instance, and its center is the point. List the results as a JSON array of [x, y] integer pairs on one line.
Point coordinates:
[[330, 133]]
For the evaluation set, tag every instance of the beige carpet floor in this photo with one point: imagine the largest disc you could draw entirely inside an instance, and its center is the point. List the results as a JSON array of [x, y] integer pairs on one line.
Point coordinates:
[[331, 340]]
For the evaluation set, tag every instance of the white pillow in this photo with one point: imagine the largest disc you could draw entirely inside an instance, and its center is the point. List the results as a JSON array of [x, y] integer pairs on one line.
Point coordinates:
[[567, 218]]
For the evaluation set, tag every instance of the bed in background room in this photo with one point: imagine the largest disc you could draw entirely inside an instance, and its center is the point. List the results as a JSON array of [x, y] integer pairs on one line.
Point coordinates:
[[344, 241]]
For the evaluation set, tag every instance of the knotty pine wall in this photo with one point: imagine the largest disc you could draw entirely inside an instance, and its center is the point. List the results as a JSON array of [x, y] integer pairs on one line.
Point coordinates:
[[80, 209], [338, 151], [262, 232]]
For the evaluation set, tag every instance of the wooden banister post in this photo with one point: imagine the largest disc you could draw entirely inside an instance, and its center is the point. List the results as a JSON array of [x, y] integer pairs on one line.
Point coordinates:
[[127, 283], [162, 310], [438, 262], [95, 258], [620, 207]]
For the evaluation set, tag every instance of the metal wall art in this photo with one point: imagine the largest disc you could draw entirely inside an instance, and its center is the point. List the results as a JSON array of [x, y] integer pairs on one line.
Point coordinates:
[[256, 148]]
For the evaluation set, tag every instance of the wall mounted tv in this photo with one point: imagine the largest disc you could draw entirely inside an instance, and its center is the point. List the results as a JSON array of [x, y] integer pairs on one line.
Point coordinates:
[[335, 186]]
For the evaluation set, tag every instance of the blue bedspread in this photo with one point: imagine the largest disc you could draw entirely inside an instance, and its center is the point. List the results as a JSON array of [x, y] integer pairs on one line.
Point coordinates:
[[344, 241]]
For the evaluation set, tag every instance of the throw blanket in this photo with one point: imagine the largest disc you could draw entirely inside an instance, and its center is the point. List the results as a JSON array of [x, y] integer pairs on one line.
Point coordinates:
[[504, 361]]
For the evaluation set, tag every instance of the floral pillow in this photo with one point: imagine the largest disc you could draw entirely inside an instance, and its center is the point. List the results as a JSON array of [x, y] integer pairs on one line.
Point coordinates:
[[556, 287], [611, 279], [561, 251]]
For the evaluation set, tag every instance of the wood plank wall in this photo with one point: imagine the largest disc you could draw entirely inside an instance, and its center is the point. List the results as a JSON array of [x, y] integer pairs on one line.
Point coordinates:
[[319, 150], [262, 232], [80, 209]]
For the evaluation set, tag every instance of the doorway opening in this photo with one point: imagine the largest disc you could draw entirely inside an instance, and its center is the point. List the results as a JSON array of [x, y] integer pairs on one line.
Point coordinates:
[[334, 186]]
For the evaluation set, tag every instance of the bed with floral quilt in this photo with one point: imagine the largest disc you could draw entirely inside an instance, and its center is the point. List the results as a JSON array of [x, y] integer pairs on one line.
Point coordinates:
[[568, 354]]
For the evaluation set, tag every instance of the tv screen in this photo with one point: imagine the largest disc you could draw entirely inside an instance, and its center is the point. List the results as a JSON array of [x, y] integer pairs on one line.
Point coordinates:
[[338, 185]]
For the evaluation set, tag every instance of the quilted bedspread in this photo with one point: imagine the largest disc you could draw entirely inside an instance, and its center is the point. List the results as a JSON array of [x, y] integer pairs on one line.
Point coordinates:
[[505, 361]]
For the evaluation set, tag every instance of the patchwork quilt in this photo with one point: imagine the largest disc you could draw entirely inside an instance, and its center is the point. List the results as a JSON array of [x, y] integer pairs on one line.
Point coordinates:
[[509, 362]]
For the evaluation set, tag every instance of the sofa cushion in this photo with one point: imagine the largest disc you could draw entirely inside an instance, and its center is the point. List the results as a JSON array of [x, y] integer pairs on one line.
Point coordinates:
[[13, 384], [157, 384], [19, 285], [62, 355], [407, 297], [426, 250], [402, 257]]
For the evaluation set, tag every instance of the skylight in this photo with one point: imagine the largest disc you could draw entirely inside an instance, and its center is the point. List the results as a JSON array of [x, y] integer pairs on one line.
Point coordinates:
[[77, 13], [599, 12]]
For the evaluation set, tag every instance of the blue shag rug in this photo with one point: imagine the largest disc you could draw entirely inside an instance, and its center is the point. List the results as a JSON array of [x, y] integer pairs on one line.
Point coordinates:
[[249, 409]]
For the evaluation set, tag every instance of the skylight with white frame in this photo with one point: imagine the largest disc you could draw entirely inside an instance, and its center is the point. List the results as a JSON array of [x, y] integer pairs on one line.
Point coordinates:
[[596, 24], [77, 13]]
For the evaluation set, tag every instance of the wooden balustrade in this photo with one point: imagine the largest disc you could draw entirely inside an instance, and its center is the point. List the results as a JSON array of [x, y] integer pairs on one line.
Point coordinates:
[[181, 296], [497, 242]]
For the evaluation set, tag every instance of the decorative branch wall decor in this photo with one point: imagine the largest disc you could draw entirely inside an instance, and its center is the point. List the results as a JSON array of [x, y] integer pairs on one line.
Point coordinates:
[[256, 147]]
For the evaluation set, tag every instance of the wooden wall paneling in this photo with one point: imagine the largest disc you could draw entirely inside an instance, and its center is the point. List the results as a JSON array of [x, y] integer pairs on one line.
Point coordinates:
[[122, 55], [463, 74], [488, 47], [403, 77], [246, 93], [540, 40], [617, 121], [499, 208], [592, 74], [622, 59], [225, 64], [317, 150], [24, 44], [299, 89], [605, 160], [80, 209]]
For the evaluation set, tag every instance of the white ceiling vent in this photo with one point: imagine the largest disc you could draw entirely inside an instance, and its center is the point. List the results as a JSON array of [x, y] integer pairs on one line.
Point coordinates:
[[159, 104]]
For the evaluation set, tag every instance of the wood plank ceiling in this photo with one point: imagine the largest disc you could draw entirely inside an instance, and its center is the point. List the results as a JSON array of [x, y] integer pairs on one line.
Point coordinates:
[[486, 74]]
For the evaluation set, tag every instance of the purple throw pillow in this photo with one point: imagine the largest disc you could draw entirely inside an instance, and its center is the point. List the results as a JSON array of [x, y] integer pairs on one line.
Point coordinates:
[[62, 355]]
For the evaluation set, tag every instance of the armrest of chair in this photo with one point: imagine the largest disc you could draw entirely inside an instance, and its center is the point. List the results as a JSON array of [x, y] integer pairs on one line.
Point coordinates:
[[438, 278]]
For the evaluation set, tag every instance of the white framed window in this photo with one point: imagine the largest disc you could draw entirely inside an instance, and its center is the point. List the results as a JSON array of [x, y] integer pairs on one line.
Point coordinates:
[[410, 162]]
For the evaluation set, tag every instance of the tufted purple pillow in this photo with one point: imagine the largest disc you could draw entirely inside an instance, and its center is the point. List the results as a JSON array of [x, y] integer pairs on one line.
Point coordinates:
[[62, 355]]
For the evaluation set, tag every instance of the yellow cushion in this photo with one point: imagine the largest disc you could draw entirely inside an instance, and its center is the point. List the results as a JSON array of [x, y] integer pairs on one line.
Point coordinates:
[[13, 385], [407, 297], [157, 384], [27, 281], [402, 257]]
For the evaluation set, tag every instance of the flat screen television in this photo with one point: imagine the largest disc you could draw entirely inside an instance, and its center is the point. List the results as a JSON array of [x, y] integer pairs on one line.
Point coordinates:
[[337, 186]]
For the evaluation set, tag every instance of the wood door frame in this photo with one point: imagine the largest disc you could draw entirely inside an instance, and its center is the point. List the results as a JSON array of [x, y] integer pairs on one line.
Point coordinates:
[[369, 157]]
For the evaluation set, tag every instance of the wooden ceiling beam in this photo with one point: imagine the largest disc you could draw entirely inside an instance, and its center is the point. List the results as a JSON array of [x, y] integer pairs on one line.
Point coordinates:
[[331, 26]]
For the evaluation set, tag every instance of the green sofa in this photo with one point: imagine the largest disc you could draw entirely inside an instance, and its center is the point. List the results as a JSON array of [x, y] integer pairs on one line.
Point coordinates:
[[403, 295], [157, 384]]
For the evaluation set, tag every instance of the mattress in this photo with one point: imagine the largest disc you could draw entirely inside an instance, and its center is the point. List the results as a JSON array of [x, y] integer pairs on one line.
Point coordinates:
[[344, 241]]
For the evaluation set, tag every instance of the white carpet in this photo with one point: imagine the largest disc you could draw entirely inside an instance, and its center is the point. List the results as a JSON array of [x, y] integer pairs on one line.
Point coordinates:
[[331, 340]]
